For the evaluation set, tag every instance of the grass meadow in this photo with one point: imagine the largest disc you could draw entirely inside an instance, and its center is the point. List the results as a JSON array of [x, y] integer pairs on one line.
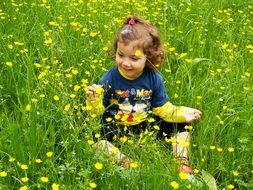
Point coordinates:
[[51, 50]]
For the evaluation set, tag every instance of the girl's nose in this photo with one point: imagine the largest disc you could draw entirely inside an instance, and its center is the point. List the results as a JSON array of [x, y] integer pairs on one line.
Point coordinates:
[[125, 62]]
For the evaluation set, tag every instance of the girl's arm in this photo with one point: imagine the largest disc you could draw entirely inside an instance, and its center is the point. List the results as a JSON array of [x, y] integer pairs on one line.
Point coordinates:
[[177, 114]]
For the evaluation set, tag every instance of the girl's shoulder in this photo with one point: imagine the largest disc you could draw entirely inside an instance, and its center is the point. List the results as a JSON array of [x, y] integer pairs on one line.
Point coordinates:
[[154, 74], [110, 74]]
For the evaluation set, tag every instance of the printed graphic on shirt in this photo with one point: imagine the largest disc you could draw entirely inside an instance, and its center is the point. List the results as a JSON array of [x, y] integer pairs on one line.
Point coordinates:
[[133, 104]]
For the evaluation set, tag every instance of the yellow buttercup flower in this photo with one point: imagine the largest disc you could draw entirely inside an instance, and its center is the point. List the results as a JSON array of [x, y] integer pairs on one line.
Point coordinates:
[[23, 167], [105, 48], [49, 154], [3, 174], [235, 173], [11, 159], [90, 142], [183, 175], [72, 95], [174, 184], [115, 150], [9, 64], [230, 186], [184, 143], [44, 179], [56, 98], [98, 166], [67, 107], [108, 119], [24, 179], [150, 120], [137, 53], [10, 46], [123, 139], [134, 165], [76, 88], [28, 107], [93, 185], [48, 42], [195, 171], [212, 147], [23, 188], [156, 127], [38, 161], [55, 186]]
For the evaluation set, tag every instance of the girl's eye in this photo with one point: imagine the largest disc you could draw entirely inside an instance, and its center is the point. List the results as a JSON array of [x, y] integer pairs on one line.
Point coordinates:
[[135, 58], [120, 55]]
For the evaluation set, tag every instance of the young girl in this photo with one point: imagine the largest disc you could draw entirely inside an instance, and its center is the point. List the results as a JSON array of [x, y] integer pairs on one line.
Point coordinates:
[[133, 92]]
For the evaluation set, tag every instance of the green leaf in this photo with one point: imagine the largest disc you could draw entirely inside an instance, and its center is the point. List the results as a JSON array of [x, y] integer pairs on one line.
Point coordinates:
[[199, 59], [209, 179]]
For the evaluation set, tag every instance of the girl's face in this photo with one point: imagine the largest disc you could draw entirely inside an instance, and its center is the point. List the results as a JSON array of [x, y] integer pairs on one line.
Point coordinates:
[[130, 59]]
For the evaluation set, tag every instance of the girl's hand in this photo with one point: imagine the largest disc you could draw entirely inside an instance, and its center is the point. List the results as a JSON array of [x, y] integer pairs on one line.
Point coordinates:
[[92, 90], [192, 114]]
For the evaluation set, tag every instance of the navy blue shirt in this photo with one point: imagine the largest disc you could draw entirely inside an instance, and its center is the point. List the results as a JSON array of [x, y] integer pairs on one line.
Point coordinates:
[[133, 96]]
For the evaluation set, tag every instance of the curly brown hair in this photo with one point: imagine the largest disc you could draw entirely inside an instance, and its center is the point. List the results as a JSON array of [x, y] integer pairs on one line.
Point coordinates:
[[136, 28]]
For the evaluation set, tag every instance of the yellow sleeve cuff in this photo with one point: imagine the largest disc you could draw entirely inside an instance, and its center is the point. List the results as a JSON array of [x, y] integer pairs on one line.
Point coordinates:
[[171, 113]]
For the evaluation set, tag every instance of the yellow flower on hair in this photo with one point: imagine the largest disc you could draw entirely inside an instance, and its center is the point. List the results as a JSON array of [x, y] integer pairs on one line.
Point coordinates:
[[137, 53]]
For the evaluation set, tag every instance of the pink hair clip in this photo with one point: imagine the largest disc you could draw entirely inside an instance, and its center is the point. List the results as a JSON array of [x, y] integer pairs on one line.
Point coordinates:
[[131, 22]]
